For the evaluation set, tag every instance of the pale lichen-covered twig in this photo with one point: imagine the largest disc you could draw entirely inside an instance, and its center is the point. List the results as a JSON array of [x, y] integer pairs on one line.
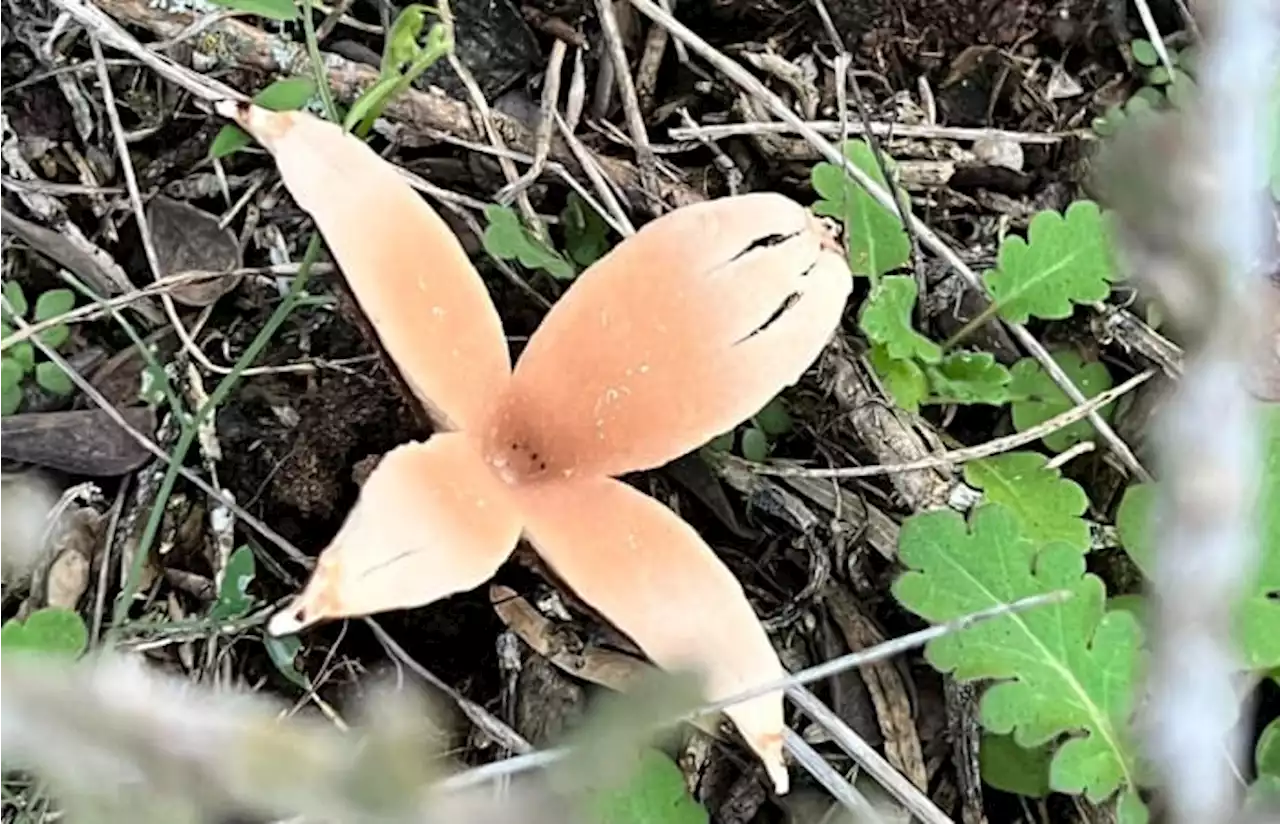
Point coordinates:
[[234, 43]]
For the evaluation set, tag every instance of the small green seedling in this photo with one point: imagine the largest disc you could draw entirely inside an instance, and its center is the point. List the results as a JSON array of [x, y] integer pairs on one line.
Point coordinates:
[[19, 360], [760, 434], [586, 239], [234, 601], [1164, 90], [405, 56]]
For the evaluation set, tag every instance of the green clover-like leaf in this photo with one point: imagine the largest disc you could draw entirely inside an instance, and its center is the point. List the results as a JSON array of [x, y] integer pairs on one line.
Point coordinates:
[[1144, 53], [1014, 769], [774, 419], [52, 379], [755, 445], [54, 631], [49, 305], [11, 372], [507, 239], [874, 236], [1040, 399], [1048, 506], [1069, 668], [886, 320], [16, 297], [1065, 259]]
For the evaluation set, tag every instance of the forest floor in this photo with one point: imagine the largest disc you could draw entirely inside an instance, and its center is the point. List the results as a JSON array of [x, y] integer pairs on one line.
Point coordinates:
[[989, 110]]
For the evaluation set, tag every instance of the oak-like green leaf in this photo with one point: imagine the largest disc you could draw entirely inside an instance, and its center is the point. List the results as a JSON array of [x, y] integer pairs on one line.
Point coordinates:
[[1068, 668], [886, 320], [1014, 769], [904, 380], [874, 236], [1039, 398], [969, 377], [1048, 506], [1065, 259]]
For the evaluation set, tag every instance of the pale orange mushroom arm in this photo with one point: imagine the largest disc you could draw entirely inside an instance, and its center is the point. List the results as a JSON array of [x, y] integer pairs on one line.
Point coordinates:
[[432, 520], [647, 571], [675, 336], [406, 268]]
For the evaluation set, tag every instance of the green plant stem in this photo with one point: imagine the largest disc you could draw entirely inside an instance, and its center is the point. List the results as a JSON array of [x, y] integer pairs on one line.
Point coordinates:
[[433, 52], [157, 368], [317, 63], [980, 320], [189, 431]]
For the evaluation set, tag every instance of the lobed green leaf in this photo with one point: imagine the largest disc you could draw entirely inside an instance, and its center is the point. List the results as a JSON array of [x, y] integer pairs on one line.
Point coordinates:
[[1065, 259]]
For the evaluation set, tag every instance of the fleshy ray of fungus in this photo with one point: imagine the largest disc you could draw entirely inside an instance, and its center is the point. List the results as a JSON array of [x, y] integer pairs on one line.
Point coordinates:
[[675, 336]]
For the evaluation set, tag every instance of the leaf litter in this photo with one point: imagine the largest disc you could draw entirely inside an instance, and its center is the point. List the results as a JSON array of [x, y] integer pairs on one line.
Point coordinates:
[[291, 440]]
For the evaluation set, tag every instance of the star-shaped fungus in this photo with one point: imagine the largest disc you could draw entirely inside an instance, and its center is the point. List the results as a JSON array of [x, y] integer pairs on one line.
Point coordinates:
[[675, 336]]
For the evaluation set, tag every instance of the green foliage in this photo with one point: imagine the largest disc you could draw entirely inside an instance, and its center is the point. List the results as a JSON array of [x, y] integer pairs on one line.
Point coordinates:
[[654, 793], [1065, 259], [1014, 769], [874, 236], [234, 601], [904, 380], [969, 377], [886, 320], [1039, 398], [1068, 668], [506, 238], [233, 589], [1260, 611], [761, 432], [52, 631], [286, 94], [1048, 506], [1266, 755], [585, 232], [1164, 91], [405, 57], [283, 10], [19, 360]]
